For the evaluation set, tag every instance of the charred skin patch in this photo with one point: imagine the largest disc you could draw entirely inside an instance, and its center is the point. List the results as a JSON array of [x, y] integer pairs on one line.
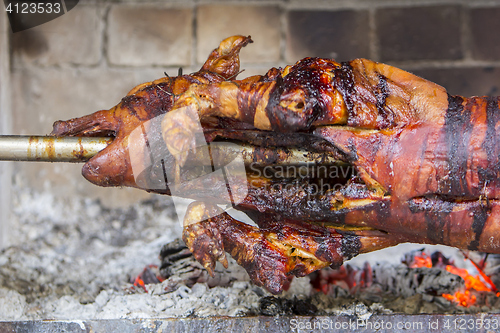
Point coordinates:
[[490, 175], [266, 156], [436, 213], [457, 129], [480, 216], [385, 117], [344, 82], [299, 96], [251, 95], [351, 245]]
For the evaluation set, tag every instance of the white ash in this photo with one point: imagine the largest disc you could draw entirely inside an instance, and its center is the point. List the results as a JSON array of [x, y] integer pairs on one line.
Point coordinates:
[[405, 281], [77, 259]]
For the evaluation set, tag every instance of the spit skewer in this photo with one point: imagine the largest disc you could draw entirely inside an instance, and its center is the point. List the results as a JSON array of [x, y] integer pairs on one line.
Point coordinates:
[[81, 149], [50, 148]]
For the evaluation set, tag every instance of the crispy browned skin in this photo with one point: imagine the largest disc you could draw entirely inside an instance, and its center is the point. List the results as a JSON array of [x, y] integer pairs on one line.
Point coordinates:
[[424, 164], [315, 92], [279, 248], [442, 176]]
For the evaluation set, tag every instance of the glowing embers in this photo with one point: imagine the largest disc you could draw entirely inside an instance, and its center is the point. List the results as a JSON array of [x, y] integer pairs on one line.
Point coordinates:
[[149, 275], [345, 277], [422, 283], [422, 260], [464, 296]]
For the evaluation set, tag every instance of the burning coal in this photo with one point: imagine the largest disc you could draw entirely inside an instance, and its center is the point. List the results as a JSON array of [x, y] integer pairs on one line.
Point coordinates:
[[422, 273], [465, 296]]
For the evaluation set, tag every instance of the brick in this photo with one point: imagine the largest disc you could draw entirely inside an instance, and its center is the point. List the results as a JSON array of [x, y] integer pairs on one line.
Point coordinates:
[[158, 36], [41, 96], [74, 38], [419, 33], [263, 23], [485, 40], [465, 81], [342, 35]]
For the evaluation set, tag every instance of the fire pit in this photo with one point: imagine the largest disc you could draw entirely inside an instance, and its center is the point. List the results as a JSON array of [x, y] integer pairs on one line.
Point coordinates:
[[73, 269], [69, 269], [78, 272]]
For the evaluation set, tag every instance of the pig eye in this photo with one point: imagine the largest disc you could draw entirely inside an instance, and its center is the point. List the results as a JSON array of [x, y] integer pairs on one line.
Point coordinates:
[[293, 101], [292, 105]]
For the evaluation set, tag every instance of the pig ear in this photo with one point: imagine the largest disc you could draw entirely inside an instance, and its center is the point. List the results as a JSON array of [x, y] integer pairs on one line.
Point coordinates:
[[100, 123], [225, 59], [402, 98]]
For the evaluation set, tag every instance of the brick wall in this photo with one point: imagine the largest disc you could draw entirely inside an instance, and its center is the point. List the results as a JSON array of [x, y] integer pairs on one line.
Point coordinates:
[[89, 58]]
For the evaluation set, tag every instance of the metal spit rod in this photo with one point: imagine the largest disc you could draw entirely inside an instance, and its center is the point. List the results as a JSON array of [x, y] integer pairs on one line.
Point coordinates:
[[50, 148], [81, 149]]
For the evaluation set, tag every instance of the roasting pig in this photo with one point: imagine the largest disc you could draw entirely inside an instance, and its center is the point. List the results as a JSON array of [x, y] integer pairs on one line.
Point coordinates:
[[423, 165]]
